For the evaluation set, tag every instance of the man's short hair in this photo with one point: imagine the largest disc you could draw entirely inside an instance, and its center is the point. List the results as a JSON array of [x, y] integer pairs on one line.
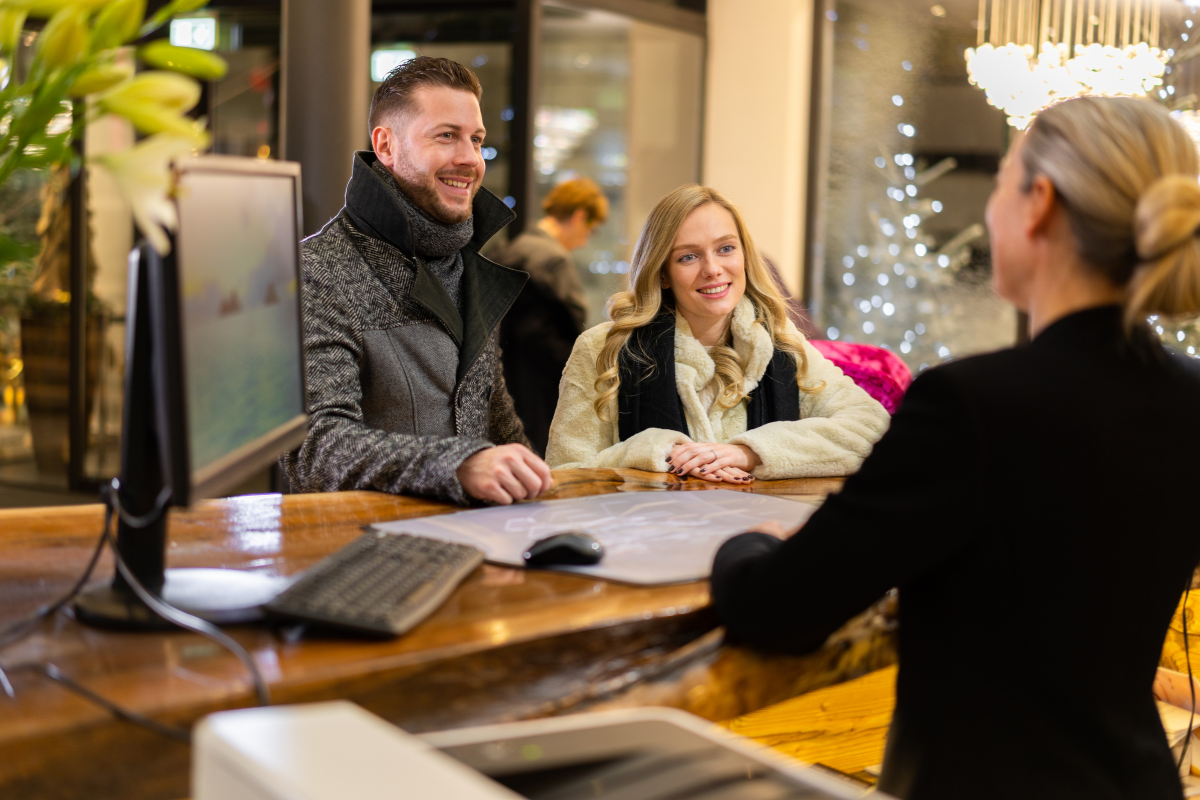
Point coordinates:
[[569, 196], [395, 95]]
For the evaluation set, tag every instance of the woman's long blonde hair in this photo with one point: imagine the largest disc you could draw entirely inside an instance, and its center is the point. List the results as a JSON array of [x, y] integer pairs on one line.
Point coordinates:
[[641, 302], [1126, 174]]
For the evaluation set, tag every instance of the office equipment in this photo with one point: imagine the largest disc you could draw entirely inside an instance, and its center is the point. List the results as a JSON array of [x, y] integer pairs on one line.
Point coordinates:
[[382, 584], [564, 548], [214, 382], [323, 751], [336, 750], [649, 538], [645, 753]]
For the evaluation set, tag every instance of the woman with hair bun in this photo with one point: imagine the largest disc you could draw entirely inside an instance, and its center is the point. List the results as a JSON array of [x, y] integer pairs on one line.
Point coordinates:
[[1035, 506], [700, 372]]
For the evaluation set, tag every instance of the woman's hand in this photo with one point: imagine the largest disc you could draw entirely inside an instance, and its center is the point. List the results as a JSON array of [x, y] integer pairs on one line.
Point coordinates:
[[715, 462]]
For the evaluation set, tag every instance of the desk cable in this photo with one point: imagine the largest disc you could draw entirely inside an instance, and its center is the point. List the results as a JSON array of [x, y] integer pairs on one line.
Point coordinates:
[[24, 627]]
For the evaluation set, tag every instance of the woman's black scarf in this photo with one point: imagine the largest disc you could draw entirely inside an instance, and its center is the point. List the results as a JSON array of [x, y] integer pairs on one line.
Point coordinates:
[[648, 398]]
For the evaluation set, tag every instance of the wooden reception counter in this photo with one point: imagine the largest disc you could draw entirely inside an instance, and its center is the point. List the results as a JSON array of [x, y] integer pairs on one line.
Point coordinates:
[[509, 644]]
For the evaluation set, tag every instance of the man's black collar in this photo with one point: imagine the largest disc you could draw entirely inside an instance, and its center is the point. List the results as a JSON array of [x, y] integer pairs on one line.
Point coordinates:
[[375, 211]]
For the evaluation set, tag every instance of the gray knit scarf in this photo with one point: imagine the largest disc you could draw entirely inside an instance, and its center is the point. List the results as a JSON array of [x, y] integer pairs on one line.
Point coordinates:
[[439, 245]]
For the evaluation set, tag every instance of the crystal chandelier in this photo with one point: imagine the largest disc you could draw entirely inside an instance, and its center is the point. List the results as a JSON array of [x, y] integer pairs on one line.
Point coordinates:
[[1032, 53]]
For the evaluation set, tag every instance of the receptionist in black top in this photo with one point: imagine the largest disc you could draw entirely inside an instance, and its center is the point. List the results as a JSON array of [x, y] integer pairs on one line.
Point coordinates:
[[1037, 506]]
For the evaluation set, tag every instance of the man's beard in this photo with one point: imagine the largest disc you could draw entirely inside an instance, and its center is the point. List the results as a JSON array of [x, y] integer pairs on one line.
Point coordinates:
[[421, 189]]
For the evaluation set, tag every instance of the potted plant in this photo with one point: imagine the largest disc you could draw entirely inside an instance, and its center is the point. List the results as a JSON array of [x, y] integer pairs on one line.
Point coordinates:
[[76, 68]]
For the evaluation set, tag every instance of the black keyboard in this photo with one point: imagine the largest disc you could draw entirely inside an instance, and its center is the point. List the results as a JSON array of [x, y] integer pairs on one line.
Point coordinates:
[[380, 583]]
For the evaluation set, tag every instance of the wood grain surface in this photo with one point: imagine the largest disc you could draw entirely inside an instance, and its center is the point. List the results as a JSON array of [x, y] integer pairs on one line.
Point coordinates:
[[842, 727], [508, 644]]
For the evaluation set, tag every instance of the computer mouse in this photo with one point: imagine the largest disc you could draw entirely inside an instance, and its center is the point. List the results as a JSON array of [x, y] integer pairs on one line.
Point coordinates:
[[571, 548]]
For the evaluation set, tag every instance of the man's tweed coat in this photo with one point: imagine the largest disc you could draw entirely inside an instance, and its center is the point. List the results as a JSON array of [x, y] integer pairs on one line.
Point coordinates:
[[402, 387]]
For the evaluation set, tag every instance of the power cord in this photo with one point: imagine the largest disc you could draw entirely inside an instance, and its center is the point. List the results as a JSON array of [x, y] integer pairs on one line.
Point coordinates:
[[52, 672], [185, 620], [22, 628]]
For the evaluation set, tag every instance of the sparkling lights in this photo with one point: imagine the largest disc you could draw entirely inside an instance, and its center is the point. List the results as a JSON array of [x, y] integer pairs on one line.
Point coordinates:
[[901, 266], [1182, 334], [1032, 53]]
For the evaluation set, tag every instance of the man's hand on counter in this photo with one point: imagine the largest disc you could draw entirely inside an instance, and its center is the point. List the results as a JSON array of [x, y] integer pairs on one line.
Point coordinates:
[[504, 474]]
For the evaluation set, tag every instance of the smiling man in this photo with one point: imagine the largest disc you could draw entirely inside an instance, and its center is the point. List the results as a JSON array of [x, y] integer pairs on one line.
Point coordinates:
[[405, 389]]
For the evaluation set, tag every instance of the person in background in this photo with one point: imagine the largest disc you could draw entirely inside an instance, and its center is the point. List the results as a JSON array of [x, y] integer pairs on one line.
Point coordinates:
[[402, 314], [1035, 506], [700, 372], [540, 329]]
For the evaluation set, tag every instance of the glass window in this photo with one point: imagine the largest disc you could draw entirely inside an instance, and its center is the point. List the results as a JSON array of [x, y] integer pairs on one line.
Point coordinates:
[[619, 103], [244, 105], [902, 255], [912, 151]]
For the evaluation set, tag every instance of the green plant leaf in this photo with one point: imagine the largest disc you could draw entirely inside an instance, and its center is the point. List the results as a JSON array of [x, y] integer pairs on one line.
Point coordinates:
[[188, 60], [11, 250], [99, 79], [37, 115], [117, 24], [51, 150], [154, 119], [44, 9], [63, 41], [155, 89], [12, 22], [33, 119]]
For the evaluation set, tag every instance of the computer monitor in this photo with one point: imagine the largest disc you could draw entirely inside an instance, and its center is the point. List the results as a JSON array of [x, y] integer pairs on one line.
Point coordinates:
[[214, 381]]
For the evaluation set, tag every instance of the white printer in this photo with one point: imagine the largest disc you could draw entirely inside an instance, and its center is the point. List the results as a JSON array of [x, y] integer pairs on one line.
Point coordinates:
[[336, 750]]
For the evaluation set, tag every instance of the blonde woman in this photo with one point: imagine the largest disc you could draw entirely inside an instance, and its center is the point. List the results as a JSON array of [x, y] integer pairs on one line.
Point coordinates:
[[1036, 507], [700, 372]]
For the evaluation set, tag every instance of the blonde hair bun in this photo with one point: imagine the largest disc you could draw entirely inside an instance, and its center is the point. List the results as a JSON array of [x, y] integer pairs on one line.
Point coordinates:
[[1167, 216], [1127, 174], [1167, 279]]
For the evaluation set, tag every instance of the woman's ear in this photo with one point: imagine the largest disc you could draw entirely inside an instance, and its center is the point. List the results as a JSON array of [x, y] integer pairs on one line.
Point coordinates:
[[1042, 205]]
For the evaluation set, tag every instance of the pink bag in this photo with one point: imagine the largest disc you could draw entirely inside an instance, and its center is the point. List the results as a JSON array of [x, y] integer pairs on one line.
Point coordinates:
[[878, 371]]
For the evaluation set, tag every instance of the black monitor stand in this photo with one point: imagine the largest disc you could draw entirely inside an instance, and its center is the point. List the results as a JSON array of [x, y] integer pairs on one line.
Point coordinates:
[[148, 447]]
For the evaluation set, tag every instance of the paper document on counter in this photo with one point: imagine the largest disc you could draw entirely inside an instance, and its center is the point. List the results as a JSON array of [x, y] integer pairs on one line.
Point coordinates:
[[649, 538]]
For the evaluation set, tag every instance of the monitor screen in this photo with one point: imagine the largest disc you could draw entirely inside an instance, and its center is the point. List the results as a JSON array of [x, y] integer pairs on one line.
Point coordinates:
[[239, 280]]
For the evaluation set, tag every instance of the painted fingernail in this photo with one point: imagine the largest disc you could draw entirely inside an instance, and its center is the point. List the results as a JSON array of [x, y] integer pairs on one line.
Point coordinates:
[[702, 469], [668, 459]]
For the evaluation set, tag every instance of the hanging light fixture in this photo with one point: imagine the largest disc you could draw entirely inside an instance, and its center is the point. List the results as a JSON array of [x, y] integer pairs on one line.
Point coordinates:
[[1032, 53]]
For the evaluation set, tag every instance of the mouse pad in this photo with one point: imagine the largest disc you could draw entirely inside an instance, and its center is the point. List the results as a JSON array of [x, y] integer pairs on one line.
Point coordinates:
[[649, 538]]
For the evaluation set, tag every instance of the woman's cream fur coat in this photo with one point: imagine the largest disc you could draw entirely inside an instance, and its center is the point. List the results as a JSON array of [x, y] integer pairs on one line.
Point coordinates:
[[837, 427]]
